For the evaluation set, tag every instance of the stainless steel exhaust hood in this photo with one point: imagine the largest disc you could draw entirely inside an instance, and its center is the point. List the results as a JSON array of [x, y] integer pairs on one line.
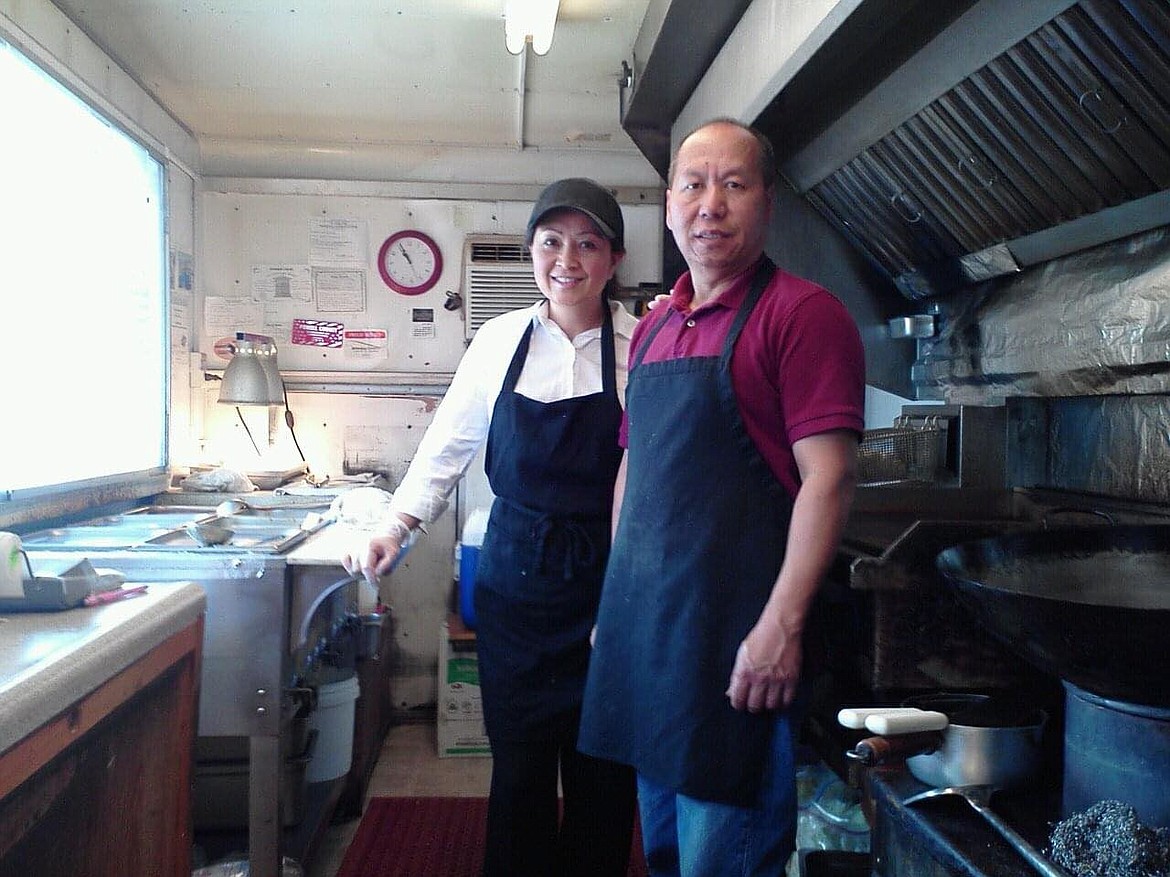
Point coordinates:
[[1061, 142], [960, 141]]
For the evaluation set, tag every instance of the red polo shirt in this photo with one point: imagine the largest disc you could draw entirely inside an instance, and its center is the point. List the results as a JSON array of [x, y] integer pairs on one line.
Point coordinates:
[[798, 368]]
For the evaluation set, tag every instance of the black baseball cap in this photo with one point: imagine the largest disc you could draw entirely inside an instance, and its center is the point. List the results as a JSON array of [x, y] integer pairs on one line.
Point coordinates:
[[578, 193]]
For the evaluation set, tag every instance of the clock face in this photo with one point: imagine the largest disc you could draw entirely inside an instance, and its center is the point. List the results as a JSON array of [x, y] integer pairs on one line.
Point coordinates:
[[410, 262]]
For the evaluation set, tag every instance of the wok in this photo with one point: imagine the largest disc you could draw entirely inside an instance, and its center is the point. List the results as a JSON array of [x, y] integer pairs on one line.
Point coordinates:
[[1088, 604]]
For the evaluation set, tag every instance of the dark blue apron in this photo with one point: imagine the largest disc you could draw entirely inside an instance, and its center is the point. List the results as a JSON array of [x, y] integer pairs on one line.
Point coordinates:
[[698, 547], [551, 466]]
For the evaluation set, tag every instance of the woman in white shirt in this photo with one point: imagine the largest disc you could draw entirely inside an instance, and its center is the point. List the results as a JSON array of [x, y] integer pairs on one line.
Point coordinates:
[[543, 387]]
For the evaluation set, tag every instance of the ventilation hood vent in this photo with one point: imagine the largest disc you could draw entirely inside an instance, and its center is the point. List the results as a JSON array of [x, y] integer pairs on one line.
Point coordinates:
[[1061, 142]]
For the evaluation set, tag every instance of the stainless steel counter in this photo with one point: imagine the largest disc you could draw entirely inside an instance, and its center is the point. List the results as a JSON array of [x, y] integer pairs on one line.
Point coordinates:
[[271, 627], [50, 660]]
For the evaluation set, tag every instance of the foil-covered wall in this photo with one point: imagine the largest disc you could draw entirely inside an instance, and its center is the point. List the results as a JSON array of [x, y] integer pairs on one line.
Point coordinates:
[[1116, 446], [1093, 323]]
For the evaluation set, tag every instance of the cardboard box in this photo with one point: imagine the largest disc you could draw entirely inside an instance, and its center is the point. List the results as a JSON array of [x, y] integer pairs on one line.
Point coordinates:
[[462, 739], [459, 697], [459, 720]]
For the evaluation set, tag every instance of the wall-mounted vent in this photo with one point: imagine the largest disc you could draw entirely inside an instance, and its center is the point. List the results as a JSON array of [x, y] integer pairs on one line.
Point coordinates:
[[497, 277]]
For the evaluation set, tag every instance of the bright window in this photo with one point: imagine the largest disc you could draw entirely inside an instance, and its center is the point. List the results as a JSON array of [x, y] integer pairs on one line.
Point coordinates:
[[83, 280]]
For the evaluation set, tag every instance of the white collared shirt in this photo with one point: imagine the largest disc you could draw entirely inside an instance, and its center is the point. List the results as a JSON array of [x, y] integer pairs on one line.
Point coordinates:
[[557, 367]]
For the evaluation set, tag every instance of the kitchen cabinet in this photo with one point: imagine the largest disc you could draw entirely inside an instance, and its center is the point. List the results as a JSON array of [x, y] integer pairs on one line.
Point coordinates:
[[98, 709]]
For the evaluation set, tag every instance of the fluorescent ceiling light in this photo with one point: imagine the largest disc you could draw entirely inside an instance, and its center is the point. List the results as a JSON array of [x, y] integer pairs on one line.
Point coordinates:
[[529, 18]]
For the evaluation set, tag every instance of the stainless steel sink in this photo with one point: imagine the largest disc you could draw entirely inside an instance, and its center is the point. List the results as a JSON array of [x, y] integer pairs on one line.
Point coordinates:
[[105, 535], [194, 512], [258, 531]]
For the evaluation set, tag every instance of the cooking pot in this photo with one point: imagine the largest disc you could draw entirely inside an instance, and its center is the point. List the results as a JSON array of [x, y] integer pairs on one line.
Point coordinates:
[[1088, 604], [987, 742]]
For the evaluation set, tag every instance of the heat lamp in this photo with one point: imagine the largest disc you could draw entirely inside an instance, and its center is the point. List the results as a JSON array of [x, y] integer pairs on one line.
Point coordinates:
[[252, 376]]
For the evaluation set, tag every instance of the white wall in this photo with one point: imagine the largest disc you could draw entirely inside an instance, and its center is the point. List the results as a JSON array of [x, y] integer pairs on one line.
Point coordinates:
[[245, 230], [378, 430]]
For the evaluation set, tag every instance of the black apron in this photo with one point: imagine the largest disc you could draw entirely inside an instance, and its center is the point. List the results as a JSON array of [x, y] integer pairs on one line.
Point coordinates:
[[698, 547], [551, 466]]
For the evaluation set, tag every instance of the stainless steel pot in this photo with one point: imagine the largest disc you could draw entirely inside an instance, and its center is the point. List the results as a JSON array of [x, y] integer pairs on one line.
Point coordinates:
[[974, 756], [984, 744]]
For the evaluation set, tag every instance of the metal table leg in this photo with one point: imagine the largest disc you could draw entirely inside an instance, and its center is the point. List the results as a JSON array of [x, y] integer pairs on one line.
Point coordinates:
[[264, 821]]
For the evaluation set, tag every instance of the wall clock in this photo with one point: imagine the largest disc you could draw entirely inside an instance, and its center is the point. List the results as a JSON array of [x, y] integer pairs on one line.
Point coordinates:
[[410, 262]]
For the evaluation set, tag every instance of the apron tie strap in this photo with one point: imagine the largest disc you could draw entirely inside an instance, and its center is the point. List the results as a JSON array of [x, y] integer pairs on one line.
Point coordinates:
[[565, 540]]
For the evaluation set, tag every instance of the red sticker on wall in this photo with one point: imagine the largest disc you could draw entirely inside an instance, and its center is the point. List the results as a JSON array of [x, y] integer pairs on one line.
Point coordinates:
[[317, 333]]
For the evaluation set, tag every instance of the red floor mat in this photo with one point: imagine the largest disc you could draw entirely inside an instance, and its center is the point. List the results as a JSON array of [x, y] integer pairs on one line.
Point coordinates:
[[428, 837]]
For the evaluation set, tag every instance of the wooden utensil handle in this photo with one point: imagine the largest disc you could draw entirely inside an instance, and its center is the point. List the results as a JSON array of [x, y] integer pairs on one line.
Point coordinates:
[[880, 750]]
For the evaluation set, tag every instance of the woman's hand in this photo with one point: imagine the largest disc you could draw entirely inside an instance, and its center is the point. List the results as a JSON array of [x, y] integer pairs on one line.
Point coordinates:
[[653, 303], [374, 560], [379, 554]]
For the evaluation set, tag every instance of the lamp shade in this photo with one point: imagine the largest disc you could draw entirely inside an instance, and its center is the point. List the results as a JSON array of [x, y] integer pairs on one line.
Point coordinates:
[[530, 18], [251, 376], [272, 373]]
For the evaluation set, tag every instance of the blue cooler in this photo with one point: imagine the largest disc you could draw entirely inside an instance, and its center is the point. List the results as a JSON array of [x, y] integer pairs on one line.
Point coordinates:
[[469, 547], [468, 561]]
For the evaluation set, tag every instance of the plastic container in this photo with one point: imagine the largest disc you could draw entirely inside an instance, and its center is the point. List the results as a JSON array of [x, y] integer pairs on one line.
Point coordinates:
[[470, 545], [333, 722], [11, 566], [830, 816]]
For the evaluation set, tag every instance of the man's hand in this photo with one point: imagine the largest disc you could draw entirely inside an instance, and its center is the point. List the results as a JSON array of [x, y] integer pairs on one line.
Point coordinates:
[[768, 663], [766, 671]]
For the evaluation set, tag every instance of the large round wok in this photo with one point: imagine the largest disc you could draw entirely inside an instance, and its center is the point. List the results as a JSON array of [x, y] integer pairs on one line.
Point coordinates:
[[1088, 604]]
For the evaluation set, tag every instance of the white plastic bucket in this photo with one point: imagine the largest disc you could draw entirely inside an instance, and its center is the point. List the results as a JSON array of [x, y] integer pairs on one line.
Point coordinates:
[[333, 721]]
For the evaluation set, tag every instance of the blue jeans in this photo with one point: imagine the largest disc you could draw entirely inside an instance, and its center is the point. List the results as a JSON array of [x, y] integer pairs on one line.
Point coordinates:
[[686, 836]]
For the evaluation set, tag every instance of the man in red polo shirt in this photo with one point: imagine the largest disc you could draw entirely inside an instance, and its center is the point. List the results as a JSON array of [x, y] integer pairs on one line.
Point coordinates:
[[744, 407]]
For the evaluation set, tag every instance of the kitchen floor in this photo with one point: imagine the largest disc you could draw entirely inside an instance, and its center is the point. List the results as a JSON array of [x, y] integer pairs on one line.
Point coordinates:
[[409, 765]]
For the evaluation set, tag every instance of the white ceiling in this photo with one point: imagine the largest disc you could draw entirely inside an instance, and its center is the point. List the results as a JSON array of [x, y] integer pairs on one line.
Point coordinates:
[[372, 73]]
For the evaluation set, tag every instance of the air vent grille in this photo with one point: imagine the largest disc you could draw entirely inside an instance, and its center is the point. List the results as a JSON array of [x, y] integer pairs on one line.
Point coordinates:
[[504, 251], [497, 278]]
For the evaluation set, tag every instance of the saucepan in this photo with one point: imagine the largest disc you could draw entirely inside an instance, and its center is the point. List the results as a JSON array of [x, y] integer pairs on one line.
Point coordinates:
[[979, 741]]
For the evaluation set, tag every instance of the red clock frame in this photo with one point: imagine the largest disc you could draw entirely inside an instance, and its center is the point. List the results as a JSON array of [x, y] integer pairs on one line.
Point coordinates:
[[427, 241]]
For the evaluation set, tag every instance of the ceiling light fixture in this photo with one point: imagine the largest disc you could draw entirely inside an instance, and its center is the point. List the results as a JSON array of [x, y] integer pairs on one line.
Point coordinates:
[[526, 20]]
